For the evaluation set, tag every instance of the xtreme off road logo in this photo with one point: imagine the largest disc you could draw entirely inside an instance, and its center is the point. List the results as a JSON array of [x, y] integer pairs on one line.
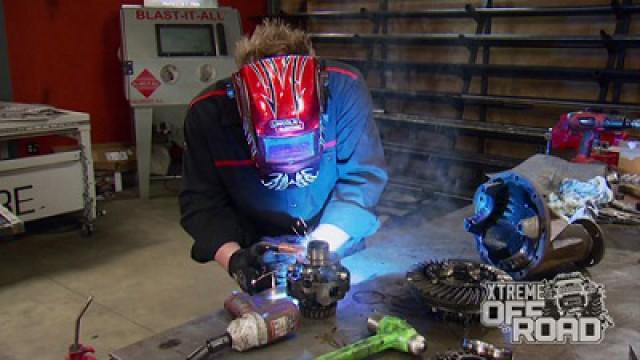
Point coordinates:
[[570, 308]]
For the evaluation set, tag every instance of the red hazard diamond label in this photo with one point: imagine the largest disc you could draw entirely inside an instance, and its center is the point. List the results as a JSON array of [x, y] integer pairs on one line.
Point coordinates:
[[146, 83]]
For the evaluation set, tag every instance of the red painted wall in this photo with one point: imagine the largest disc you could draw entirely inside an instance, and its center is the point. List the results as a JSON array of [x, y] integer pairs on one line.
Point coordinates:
[[63, 53], [249, 9]]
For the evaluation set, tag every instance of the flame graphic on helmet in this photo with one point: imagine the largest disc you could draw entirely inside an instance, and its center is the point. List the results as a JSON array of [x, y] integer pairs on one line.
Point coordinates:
[[278, 100], [268, 71]]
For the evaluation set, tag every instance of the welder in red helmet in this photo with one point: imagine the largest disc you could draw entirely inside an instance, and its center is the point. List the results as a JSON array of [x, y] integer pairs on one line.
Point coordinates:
[[289, 138]]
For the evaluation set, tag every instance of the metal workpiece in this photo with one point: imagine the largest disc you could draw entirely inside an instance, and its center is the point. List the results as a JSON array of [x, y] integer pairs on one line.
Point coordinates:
[[486, 350], [318, 281], [516, 231], [453, 288], [477, 350]]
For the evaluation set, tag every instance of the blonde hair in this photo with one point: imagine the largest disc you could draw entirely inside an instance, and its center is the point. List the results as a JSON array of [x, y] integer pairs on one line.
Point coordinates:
[[272, 37]]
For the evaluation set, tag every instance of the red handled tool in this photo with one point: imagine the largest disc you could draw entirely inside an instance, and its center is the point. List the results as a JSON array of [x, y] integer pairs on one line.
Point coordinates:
[[78, 351], [259, 320], [582, 129]]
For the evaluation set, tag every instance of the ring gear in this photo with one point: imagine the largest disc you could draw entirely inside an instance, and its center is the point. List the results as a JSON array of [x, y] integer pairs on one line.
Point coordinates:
[[453, 288]]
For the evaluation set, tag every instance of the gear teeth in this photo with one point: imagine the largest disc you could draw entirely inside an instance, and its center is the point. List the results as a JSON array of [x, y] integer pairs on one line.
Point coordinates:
[[317, 312], [452, 288]]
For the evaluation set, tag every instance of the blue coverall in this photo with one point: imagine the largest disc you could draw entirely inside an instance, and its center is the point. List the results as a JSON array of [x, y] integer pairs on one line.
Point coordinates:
[[223, 200]]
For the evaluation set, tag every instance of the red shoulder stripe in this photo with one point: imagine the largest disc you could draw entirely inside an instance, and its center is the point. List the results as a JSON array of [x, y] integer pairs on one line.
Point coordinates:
[[330, 144], [207, 95], [228, 163], [342, 71]]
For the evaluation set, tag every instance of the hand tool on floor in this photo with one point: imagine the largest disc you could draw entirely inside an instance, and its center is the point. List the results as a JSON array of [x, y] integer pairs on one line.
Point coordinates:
[[390, 333], [260, 319], [581, 129], [78, 351], [9, 223]]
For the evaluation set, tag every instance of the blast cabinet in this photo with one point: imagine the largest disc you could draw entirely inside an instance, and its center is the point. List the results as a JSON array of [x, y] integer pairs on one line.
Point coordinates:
[[169, 56]]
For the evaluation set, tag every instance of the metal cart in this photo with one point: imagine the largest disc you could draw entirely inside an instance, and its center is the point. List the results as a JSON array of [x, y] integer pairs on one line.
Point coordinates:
[[40, 186]]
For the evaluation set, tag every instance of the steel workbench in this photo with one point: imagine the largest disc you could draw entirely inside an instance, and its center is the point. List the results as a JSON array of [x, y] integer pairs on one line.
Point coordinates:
[[378, 285]]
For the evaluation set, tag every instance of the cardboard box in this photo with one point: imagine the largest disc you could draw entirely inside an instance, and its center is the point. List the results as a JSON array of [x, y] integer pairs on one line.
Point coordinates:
[[108, 157], [114, 157], [629, 161]]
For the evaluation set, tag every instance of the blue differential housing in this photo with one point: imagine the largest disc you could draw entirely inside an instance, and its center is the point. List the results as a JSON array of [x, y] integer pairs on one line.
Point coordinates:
[[510, 224]]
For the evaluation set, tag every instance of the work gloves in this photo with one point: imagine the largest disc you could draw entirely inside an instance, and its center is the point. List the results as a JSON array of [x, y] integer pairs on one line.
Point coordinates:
[[245, 268], [254, 268]]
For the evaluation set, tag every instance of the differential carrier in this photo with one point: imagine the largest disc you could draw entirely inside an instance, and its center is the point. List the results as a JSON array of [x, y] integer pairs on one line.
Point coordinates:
[[517, 232], [453, 288], [318, 281]]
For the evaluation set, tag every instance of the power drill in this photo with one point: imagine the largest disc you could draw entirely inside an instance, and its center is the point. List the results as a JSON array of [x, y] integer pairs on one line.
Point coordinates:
[[582, 128], [390, 333], [259, 320]]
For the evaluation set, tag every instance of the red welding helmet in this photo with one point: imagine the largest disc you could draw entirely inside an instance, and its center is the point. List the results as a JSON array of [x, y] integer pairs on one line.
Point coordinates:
[[279, 100]]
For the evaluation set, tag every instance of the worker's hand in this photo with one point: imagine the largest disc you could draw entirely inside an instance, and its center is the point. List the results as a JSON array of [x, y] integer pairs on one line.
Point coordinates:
[[274, 256], [245, 268]]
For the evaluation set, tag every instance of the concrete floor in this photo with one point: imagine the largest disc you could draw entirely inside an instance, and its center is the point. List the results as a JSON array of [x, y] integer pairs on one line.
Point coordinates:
[[137, 266], [139, 272]]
